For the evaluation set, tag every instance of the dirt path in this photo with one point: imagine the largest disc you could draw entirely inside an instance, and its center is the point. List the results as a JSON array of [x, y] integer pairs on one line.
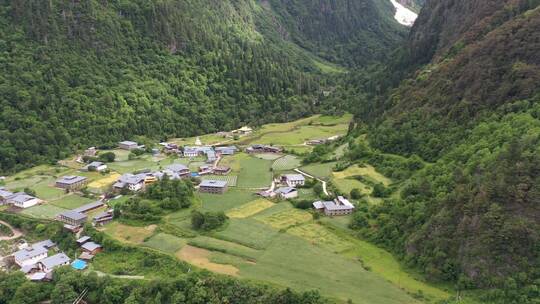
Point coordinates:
[[16, 233], [311, 176]]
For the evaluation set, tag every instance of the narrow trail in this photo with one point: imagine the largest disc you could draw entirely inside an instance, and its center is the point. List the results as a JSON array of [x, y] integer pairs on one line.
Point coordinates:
[[311, 176], [16, 233]]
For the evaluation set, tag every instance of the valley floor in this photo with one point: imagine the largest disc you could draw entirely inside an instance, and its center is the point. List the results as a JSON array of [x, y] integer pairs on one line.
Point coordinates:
[[264, 240]]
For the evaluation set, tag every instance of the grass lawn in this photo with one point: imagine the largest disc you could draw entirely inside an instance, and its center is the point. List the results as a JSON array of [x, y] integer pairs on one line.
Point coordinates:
[[267, 156], [322, 171], [71, 201], [250, 208], [121, 155], [345, 185], [223, 202], [224, 246], [254, 173], [129, 234], [105, 181], [20, 184], [46, 191], [366, 171], [287, 162], [165, 242], [384, 264], [248, 232], [45, 211], [319, 235], [286, 218], [129, 166], [293, 262], [231, 179]]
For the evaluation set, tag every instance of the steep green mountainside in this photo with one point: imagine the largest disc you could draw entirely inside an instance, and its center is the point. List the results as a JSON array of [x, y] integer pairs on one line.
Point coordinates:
[[78, 73], [350, 32], [472, 214]]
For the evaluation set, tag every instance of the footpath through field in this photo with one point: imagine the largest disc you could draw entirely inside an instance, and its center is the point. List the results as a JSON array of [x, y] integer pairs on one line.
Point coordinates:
[[311, 176], [16, 233]]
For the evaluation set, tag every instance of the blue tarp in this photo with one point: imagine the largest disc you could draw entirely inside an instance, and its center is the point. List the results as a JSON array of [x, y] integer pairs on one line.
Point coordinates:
[[194, 174], [79, 265]]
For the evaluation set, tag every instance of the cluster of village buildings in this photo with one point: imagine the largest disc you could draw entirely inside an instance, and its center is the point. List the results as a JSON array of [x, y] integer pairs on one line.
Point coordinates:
[[37, 261]]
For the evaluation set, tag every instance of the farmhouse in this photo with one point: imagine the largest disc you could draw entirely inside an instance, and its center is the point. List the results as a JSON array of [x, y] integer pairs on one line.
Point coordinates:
[[213, 186], [287, 192], [89, 207], [245, 130], [71, 182], [4, 195], [230, 150], [211, 156], [83, 240], [169, 148], [72, 218], [205, 170], [222, 170], [339, 206], [91, 248], [263, 149], [191, 152], [96, 166], [177, 171], [48, 264], [23, 200], [102, 218], [92, 151], [31, 255], [128, 145], [131, 182], [293, 180]]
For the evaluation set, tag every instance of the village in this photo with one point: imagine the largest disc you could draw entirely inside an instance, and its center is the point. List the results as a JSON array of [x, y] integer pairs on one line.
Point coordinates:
[[256, 178]]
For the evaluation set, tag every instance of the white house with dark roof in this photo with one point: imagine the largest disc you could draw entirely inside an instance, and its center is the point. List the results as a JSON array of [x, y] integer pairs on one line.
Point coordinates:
[[72, 217], [128, 145], [293, 180], [213, 186], [71, 182], [131, 182], [287, 192], [229, 150], [23, 200], [177, 171], [96, 166], [29, 256], [339, 206], [4, 195], [57, 260]]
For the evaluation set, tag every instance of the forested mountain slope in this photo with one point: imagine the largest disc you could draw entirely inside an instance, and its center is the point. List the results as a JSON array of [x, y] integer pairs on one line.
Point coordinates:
[[472, 214], [350, 32], [79, 73]]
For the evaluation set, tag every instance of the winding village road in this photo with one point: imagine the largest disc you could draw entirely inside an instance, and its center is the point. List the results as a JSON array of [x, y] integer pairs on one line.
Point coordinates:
[[310, 176], [16, 233]]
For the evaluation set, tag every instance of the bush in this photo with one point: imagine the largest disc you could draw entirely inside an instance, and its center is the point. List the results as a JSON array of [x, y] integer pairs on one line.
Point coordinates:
[[208, 220], [356, 194], [107, 157]]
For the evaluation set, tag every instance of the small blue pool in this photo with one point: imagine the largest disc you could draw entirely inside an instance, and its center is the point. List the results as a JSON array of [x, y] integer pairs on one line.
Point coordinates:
[[79, 264]]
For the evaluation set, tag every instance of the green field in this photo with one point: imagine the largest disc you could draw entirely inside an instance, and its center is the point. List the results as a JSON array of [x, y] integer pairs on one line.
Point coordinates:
[[254, 173], [322, 171], [299, 131], [71, 201], [248, 232], [231, 199], [224, 246], [45, 211], [165, 242], [287, 162]]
